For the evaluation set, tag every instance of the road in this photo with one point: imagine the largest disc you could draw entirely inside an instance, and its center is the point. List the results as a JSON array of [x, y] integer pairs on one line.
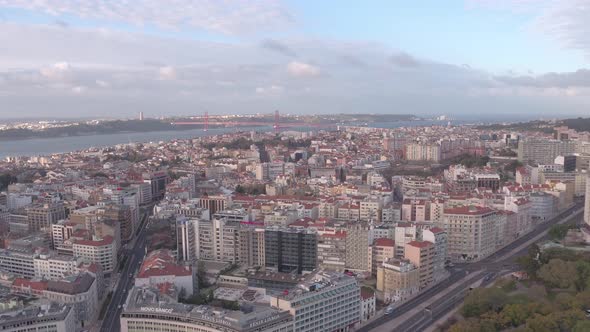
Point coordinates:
[[503, 260], [111, 322]]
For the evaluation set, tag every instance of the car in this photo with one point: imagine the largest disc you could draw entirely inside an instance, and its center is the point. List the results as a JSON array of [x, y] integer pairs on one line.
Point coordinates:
[[388, 310]]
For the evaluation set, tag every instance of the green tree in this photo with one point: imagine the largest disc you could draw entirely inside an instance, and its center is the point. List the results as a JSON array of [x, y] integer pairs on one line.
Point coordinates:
[[583, 269], [540, 323], [558, 232], [558, 273], [515, 314], [582, 326], [566, 320], [481, 300]]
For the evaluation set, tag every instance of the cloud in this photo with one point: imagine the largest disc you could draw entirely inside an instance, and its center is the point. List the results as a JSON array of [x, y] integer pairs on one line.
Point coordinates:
[[235, 17], [167, 73], [57, 71], [567, 22], [403, 59], [272, 90], [79, 89], [301, 69], [579, 78], [167, 76], [276, 46]]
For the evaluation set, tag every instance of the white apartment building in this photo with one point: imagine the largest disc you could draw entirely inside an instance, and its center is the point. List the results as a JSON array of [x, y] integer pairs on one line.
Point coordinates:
[[19, 263], [101, 251], [50, 266], [471, 232], [217, 240], [324, 302]]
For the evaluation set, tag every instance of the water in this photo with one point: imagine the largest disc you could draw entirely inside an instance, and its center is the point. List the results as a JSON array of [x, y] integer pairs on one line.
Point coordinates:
[[46, 146]]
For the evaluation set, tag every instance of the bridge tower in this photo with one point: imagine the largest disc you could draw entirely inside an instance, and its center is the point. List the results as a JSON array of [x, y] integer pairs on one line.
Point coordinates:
[[276, 125], [206, 127]]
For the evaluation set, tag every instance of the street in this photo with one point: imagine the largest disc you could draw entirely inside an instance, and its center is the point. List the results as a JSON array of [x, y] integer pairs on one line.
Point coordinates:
[[134, 258], [504, 260]]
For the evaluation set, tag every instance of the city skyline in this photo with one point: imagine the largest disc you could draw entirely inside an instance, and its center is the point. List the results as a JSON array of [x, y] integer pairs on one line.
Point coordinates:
[[516, 59]]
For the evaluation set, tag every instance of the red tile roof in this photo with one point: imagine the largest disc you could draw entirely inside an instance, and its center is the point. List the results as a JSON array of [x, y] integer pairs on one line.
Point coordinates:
[[162, 263], [419, 244], [96, 243], [384, 242]]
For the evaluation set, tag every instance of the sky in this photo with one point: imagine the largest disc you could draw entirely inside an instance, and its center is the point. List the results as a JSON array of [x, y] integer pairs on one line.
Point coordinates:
[[472, 59]]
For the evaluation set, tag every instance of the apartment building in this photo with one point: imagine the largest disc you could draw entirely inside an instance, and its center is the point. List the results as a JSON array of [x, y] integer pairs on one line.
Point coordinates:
[[323, 302], [290, 249], [79, 291], [381, 251], [359, 236], [332, 250], [102, 251], [40, 217], [160, 267], [421, 254], [397, 280], [471, 232]]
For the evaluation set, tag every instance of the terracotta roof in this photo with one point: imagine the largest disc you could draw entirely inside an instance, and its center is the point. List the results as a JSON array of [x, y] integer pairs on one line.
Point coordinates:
[[96, 243], [384, 242], [162, 263], [437, 230], [419, 244]]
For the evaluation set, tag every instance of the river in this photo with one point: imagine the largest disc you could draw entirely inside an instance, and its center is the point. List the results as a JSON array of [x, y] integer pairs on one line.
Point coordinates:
[[46, 146]]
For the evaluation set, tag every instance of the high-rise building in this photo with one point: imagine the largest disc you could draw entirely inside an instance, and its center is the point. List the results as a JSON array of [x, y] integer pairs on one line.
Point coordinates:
[[102, 251], [185, 239], [40, 217], [332, 250], [438, 236], [216, 240], [543, 150], [157, 181], [359, 237], [323, 302], [421, 254], [471, 232], [290, 249], [252, 250]]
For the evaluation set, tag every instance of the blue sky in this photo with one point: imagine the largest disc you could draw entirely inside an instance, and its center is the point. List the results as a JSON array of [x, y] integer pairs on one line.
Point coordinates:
[[528, 53]]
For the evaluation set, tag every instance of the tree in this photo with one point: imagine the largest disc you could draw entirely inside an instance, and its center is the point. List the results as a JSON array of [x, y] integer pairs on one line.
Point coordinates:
[[583, 269], [240, 189], [540, 323], [481, 300], [515, 314], [558, 273], [558, 232], [566, 320], [582, 326]]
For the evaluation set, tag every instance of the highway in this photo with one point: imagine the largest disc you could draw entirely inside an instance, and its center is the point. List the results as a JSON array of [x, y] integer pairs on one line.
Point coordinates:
[[504, 260], [111, 322]]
